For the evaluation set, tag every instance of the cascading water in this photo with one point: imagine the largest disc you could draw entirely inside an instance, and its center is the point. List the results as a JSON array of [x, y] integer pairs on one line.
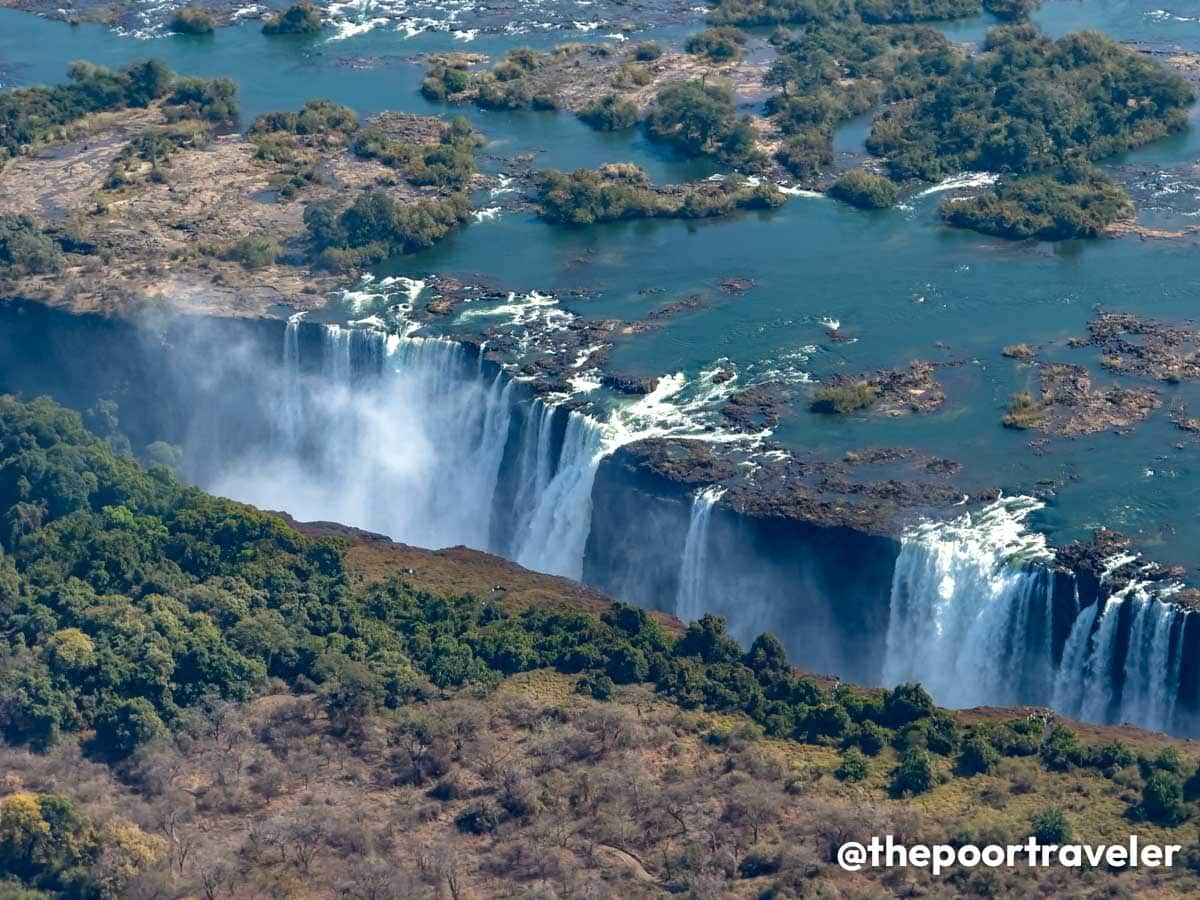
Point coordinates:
[[962, 606], [690, 602], [972, 618]]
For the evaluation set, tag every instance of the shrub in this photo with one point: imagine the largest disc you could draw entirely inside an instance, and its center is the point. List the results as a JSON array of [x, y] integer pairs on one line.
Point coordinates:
[[759, 861], [481, 817], [610, 113], [1023, 412], [25, 248], [978, 756], [915, 774], [853, 767], [646, 51], [1050, 826], [843, 399], [255, 252], [193, 20], [716, 44], [865, 190], [807, 153], [300, 18], [1162, 799], [1079, 202]]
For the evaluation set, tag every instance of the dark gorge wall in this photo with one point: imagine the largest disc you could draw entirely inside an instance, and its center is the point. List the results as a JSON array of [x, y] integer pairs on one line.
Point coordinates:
[[822, 590], [425, 441]]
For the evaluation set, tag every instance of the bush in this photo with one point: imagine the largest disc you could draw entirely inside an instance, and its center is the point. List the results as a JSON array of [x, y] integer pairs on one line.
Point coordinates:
[[300, 18], [596, 685], [610, 113], [647, 51], [1011, 10], [853, 767], [759, 861], [255, 252], [25, 248], [1162, 799], [193, 20], [806, 154], [481, 817], [978, 756], [701, 119], [915, 774], [1023, 412], [716, 44], [865, 190], [1076, 203], [1050, 826], [124, 725], [843, 399]]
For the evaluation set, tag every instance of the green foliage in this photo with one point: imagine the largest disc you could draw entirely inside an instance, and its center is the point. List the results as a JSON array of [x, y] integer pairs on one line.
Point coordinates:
[[212, 101], [1061, 750], [865, 190], [193, 20], [316, 118], [25, 249], [1030, 104], [300, 18], [978, 756], [124, 725], [646, 51], [843, 399], [718, 44], [610, 113], [806, 154], [915, 774], [1079, 202], [915, 10], [36, 115], [444, 80], [1011, 10], [853, 767], [1050, 826], [254, 252], [1023, 411], [701, 119], [375, 226], [1162, 799]]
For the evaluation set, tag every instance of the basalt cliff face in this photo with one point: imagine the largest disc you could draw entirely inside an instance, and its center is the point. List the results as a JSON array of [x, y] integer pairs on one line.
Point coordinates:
[[866, 567]]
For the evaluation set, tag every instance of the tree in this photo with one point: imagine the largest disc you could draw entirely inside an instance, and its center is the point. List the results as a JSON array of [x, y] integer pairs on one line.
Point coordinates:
[[124, 725], [299, 18], [978, 756], [865, 190], [1050, 826], [610, 113], [853, 767], [193, 20], [915, 774], [1162, 799]]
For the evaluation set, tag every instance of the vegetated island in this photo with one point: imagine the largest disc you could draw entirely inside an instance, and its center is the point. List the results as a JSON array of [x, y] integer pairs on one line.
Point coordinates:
[[205, 699], [1036, 111], [147, 193]]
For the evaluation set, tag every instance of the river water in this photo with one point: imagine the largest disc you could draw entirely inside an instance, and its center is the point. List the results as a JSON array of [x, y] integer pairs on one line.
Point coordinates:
[[896, 282]]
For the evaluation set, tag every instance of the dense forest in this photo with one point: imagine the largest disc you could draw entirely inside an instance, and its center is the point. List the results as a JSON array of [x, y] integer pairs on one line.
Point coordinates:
[[33, 116], [147, 623]]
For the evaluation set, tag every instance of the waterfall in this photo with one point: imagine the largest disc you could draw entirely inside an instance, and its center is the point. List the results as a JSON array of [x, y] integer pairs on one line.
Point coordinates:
[[554, 532], [690, 602], [972, 618], [962, 609]]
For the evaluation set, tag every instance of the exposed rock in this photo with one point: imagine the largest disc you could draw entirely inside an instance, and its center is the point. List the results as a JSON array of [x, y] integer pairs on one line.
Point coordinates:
[[631, 385], [736, 285], [1019, 351], [755, 408], [163, 238], [897, 392], [1132, 345], [1071, 406]]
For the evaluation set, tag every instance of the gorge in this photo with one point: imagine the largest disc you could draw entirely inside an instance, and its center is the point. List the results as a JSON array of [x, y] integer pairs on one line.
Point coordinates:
[[424, 440]]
